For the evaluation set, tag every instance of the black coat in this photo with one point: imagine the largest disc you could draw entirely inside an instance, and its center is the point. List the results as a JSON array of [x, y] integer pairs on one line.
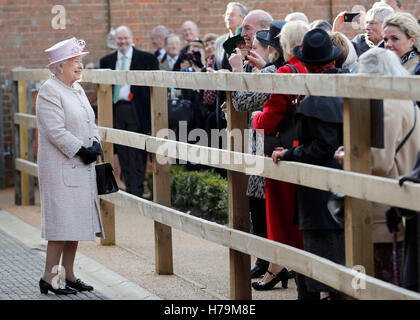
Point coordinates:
[[319, 129], [141, 60]]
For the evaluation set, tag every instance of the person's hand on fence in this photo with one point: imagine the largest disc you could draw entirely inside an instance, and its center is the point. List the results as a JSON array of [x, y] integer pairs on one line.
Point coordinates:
[[393, 219], [235, 61], [339, 155], [88, 155], [256, 60], [278, 154]]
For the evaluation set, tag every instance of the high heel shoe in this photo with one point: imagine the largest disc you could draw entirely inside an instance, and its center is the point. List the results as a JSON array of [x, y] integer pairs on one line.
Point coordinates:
[[44, 287], [79, 285], [281, 276]]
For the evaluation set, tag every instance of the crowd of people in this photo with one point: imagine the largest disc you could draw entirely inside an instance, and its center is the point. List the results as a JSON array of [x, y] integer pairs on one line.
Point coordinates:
[[307, 129]]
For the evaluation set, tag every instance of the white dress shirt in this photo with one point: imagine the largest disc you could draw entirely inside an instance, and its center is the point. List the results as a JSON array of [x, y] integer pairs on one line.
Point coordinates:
[[124, 90]]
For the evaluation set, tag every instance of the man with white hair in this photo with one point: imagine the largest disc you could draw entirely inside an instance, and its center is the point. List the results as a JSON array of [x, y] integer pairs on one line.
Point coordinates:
[[189, 32], [297, 16], [234, 15], [373, 26], [131, 106], [254, 21], [157, 37]]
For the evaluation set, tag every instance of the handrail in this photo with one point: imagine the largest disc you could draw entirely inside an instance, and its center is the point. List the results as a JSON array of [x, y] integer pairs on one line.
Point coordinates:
[[356, 89], [341, 85], [357, 185]]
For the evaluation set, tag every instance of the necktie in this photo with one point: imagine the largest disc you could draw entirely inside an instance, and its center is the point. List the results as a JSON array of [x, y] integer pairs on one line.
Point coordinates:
[[117, 87]]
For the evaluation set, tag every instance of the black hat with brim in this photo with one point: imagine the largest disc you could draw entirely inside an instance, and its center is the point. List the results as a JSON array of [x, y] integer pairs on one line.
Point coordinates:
[[317, 48], [230, 44], [271, 37]]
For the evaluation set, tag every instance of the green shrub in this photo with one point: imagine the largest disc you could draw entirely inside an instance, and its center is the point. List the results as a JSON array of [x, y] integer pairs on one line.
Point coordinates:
[[203, 193]]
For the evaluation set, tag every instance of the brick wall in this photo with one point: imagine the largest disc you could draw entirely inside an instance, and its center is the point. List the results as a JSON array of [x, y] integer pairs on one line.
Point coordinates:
[[26, 30]]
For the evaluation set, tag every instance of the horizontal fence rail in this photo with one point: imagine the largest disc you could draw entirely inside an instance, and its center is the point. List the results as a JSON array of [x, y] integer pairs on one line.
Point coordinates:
[[298, 260], [357, 185], [336, 85], [353, 184]]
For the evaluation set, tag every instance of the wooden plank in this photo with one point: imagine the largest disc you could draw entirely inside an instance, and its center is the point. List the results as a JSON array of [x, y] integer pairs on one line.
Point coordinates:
[[105, 119], [31, 140], [161, 186], [23, 142], [240, 263], [323, 270], [358, 213], [356, 185], [16, 145], [341, 85], [26, 166], [2, 150], [303, 262]]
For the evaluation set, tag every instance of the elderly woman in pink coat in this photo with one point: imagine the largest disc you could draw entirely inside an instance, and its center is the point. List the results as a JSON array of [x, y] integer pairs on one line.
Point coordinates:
[[69, 144]]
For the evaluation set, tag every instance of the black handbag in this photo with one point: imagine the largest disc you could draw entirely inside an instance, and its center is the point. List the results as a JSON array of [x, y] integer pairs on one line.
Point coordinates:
[[105, 179], [286, 131], [179, 110]]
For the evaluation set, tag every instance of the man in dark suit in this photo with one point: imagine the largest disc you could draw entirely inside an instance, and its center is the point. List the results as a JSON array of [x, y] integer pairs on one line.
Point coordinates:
[[131, 106], [234, 15]]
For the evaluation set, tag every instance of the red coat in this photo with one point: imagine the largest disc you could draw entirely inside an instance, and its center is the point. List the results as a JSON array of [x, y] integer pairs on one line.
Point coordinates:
[[280, 196]]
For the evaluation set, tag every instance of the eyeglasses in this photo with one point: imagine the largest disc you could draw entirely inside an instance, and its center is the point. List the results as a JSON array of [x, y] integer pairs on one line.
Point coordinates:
[[78, 62]]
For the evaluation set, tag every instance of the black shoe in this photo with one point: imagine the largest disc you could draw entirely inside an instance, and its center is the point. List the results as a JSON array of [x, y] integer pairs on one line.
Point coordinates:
[[79, 285], [257, 271], [281, 276], [291, 274], [44, 286]]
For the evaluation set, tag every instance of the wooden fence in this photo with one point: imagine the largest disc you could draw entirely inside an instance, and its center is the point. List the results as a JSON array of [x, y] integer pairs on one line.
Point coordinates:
[[355, 181]]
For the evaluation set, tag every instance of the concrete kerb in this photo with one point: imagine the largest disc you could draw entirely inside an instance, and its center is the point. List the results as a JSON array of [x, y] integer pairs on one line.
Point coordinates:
[[104, 280]]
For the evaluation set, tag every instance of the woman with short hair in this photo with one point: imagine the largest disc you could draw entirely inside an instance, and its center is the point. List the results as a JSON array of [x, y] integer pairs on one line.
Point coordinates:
[[69, 144], [402, 35]]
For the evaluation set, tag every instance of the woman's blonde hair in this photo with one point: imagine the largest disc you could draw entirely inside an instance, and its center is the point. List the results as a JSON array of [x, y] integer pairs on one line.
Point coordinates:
[[292, 34], [407, 24]]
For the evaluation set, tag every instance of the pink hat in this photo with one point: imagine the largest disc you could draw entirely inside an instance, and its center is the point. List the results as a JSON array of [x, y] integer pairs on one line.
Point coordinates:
[[66, 49]]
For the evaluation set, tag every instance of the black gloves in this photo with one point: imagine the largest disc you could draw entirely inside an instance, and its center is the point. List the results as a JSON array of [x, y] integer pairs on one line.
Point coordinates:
[[89, 155], [393, 219]]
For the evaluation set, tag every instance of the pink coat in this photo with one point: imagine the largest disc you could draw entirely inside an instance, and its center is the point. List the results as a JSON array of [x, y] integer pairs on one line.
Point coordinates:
[[69, 196]]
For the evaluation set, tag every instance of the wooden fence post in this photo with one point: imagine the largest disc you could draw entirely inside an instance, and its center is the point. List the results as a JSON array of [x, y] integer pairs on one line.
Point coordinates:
[[31, 140], [240, 263], [358, 213], [20, 136], [161, 186], [2, 151], [105, 120]]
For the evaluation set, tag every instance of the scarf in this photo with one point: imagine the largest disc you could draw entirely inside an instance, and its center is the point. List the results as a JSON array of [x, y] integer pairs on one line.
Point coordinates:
[[320, 69], [408, 55]]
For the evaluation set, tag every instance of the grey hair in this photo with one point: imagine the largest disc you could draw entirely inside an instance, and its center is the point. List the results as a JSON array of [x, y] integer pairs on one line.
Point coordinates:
[[321, 24], [124, 27], [398, 2], [55, 66], [160, 30], [170, 36], [381, 62], [380, 12], [297, 16], [243, 11], [264, 18]]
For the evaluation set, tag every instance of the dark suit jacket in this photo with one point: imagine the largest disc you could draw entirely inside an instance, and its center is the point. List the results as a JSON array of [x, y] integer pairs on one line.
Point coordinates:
[[141, 60]]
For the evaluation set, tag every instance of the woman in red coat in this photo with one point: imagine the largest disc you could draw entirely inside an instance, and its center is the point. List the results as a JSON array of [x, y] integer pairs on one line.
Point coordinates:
[[280, 196]]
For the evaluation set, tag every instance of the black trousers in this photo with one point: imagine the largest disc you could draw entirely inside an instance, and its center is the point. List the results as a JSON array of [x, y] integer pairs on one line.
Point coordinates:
[[133, 161], [259, 223]]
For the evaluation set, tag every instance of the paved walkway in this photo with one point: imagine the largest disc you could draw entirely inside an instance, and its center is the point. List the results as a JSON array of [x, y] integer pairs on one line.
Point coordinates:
[[22, 264]]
